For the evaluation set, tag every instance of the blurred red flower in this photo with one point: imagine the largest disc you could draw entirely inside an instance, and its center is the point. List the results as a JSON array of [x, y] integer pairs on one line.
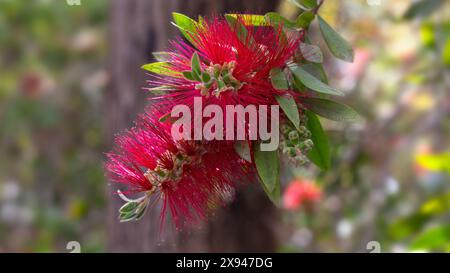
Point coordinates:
[[300, 192]]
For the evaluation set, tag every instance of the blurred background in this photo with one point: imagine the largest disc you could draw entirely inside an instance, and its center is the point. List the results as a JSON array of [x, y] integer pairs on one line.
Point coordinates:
[[70, 79]]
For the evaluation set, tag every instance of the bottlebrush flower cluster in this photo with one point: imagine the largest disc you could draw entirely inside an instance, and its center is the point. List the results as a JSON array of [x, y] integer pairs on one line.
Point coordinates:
[[188, 175], [230, 60]]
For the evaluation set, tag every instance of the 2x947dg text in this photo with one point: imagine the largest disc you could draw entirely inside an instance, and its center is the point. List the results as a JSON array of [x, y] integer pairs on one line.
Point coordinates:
[[225, 263], [246, 262]]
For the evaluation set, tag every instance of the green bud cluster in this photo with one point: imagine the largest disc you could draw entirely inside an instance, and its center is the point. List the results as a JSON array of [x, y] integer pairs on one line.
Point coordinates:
[[296, 142], [133, 209], [216, 76]]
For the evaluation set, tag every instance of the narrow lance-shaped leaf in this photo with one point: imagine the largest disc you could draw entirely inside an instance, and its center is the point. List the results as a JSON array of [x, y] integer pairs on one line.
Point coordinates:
[[311, 53], [278, 79], [317, 71], [305, 19], [251, 19], [189, 75], [290, 108], [128, 207], [276, 19], [331, 109], [304, 4], [422, 8], [287, 103], [338, 46], [320, 153], [186, 25], [274, 195], [312, 82], [162, 68], [195, 64], [240, 29], [268, 167]]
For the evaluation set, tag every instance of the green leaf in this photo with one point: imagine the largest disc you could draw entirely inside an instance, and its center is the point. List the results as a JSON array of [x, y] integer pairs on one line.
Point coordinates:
[[278, 79], [251, 19], [195, 64], [243, 150], [404, 227], [162, 68], [305, 19], [128, 207], [446, 53], [422, 8], [188, 75], [141, 208], [331, 109], [312, 82], [305, 4], [186, 25], [268, 167], [133, 209], [220, 84], [290, 108], [320, 154], [274, 195], [314, 69], [206, 77], [239, 28], [435, 238], [311, 53], [126, 217], [339, 47], [317, 71], [309, 4], [276, 19]]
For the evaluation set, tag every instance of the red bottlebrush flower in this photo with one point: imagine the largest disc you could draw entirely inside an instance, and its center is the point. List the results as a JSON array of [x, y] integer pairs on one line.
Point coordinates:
[[301, 192], [234, 64], [189, 176]]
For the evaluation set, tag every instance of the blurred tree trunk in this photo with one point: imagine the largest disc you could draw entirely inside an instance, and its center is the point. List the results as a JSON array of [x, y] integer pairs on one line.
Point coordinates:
[[137, 28]]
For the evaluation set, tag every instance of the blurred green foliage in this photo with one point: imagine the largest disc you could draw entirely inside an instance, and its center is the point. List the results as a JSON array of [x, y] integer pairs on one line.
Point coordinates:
[[53, 74], [389, 180]]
